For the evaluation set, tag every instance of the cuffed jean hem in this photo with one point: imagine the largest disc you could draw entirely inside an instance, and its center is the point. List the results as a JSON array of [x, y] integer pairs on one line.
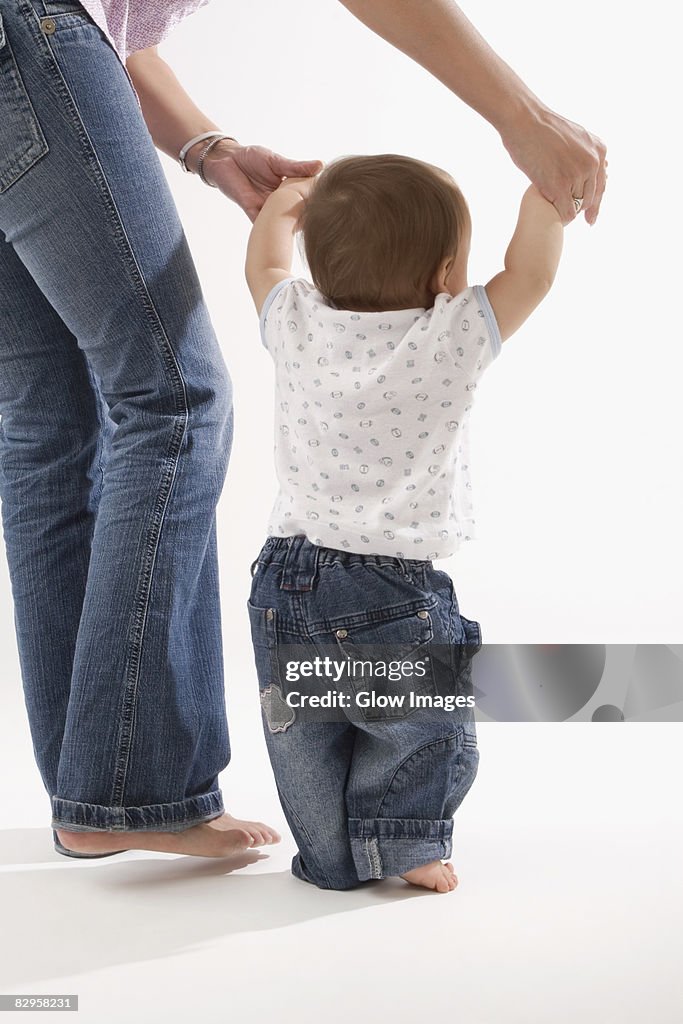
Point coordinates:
[[384, 847], [337, 882], [172, 817]]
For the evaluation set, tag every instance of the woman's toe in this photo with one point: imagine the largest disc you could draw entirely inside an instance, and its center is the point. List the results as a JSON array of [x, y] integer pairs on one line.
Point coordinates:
[[442, 884]]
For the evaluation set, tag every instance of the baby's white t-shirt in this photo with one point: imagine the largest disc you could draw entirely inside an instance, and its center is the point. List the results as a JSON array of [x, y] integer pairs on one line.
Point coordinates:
[[371, 419]]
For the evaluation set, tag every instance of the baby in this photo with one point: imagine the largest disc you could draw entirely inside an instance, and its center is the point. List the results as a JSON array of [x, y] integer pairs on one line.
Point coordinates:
[[376, 366]]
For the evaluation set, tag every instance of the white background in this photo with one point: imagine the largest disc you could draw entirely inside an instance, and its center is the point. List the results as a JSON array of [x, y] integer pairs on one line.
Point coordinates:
[[577, 486], [569, 844]]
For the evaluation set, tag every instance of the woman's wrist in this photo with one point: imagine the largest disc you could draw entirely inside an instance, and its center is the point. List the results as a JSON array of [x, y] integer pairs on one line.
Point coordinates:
[[194, 155], [213, 157], [520, 114]]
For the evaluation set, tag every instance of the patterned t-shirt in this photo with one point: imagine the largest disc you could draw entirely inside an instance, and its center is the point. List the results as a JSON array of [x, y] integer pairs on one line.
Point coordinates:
[[371, 419], [132, 25]]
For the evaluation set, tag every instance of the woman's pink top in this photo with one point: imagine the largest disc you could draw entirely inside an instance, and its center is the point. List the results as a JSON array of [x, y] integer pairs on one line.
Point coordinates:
[[132, 25]]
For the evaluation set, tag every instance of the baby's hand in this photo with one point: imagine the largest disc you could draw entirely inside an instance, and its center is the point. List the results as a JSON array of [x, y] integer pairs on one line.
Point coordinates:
[[302, 186]]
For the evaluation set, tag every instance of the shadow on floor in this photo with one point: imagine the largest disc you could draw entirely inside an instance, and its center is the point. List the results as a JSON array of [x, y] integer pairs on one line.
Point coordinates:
[[62, 916]]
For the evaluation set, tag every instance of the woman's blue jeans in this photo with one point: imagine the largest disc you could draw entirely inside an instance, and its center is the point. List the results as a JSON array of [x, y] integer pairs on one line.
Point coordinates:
[[115, 434]]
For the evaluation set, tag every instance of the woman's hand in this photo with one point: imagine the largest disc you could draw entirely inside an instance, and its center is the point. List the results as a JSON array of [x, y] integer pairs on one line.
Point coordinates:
[[562, 159], [248, 174]]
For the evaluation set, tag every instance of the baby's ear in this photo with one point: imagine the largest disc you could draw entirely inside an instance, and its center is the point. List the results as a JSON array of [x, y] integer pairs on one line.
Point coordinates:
[[438, 281]]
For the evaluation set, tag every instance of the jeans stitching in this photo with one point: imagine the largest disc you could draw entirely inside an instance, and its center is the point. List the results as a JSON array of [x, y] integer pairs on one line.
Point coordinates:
[[373, 617], [374, 857], [38, 136], [425, 746], [310, 847]]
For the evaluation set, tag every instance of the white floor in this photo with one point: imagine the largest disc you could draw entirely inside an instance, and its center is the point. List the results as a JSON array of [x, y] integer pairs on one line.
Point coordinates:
[[569, 850]]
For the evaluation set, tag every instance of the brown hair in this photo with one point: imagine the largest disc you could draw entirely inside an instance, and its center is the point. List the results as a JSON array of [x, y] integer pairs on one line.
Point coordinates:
[[376, 229]]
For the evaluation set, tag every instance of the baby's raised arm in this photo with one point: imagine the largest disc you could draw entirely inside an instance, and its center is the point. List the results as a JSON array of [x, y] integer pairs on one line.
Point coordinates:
[[271, 242], [531, 261]]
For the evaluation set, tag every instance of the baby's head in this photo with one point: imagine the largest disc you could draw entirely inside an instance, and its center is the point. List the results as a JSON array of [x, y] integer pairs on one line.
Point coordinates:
[[385, 232]]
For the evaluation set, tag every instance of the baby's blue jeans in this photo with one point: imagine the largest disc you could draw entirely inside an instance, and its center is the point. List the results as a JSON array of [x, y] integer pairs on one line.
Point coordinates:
[[367, 792]]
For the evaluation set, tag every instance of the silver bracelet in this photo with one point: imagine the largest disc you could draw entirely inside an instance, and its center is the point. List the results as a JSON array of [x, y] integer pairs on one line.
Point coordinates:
[[207, 149], [193, 142]]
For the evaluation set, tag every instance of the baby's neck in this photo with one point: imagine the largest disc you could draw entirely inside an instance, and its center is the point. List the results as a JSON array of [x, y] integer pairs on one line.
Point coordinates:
[[356, 308]]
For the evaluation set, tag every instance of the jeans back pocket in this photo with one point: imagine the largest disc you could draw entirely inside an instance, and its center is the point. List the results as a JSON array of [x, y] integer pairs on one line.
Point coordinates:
[[22, 142], [389, 663]]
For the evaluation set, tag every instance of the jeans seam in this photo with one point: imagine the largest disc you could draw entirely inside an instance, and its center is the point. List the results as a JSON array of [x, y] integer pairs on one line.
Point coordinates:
[[121, 812], [430, 743], [99, 453], [171, 459], [373, 617], [311, 847]]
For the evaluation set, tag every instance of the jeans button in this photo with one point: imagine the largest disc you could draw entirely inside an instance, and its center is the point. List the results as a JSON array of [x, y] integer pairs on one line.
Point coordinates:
[[341, 634], [48, 25], [422, 614]]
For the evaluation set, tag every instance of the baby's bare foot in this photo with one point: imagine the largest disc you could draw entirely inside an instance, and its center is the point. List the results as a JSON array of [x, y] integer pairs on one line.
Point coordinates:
[[222, 837], [437, 876]]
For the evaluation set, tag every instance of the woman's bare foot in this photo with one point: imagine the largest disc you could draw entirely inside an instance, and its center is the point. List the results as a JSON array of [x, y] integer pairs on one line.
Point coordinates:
[[262, 835], [437, 876], [221, 837]]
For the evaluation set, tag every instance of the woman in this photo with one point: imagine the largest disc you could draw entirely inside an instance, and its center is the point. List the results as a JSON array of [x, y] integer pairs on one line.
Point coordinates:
[[115, 399]]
